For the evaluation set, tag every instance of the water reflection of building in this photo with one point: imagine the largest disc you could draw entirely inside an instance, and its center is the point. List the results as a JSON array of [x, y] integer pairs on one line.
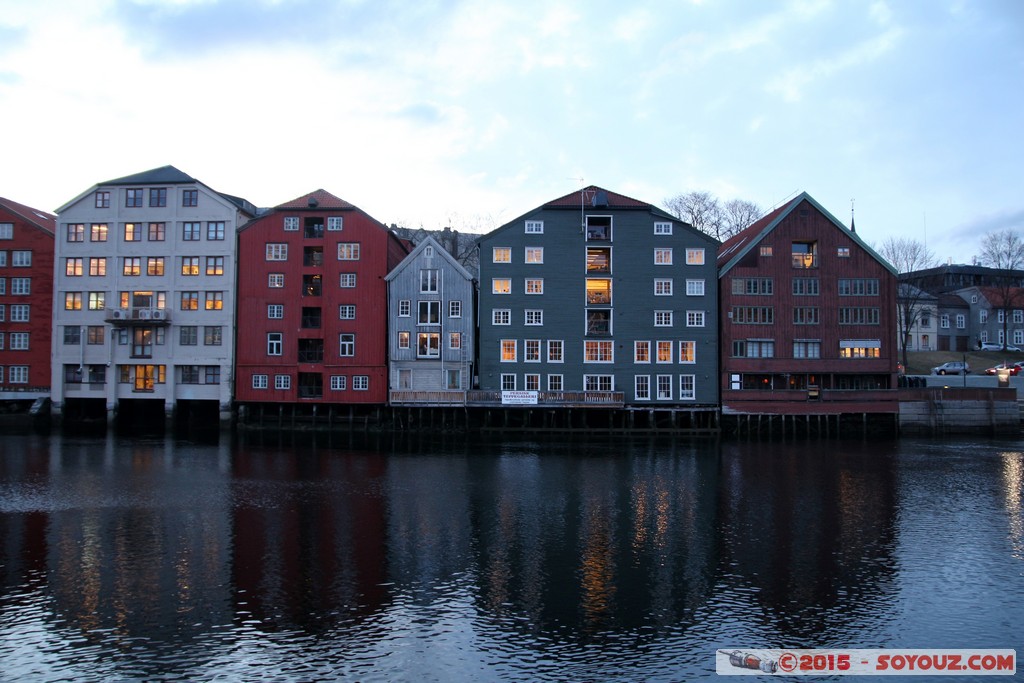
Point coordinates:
[[309, 534], [808, 538]]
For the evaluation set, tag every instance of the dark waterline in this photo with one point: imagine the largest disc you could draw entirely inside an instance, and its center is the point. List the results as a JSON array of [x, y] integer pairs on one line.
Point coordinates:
[[325, 557]]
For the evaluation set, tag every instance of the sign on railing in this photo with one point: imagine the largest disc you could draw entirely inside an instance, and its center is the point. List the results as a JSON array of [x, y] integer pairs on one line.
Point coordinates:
[[518, 398]]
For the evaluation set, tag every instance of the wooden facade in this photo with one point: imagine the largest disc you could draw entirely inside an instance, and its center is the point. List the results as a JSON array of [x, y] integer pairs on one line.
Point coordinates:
[[808, 317], [26, 300], [312, 310]]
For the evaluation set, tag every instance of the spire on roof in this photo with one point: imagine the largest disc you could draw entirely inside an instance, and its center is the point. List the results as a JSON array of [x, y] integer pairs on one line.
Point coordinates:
[[853, 226]]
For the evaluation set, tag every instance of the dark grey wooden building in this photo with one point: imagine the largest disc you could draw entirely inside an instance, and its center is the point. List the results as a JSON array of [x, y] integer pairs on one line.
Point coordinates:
[[598, 299]]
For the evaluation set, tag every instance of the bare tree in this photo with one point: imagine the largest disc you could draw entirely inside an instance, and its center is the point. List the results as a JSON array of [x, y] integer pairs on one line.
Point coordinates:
[[702, 210], [738, 215], [1004, 252], [908, 256]]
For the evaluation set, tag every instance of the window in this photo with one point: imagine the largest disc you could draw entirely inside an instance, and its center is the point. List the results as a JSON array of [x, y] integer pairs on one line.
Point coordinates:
[[403, 340], [190, 374], [531, 382], [313, 227], [944, 321], [259, 381], [312, 285], [753, 348], [534, 227], [291, 223], [687, 391], [641, 352], [501, 255], [663, 287], [72, 335], [215, 230], [694, 257], [346, 312], [282, 382], [805, 254], [21, 259], [806, 348], [275, 311], [102, 199], [663, 257], [535, 285], [642, 386], [20, 313], [190, 301], [599, 228], [190, 198], [348, 251], [859, 348], [508, 382], [73, 301], [19, 341], [132, 232], [73, 267], [76, 232], [843, 252], [191, 231], [454, 340], [509, 351], [501, 285], [17, 374], [155, 265], [338, 382], [190, 265], [599, 322], [687, 352], [555, 351], [694, 288], [555, 383], [429, 313], [428, 280], [664, 351], [404, 308], [275, 343], [212, 335], [335, 223], [961, 321], [214, 265], [534, 317], [695, 318], [531, 351], [501, 316], [661, 228], [534, 254], [97, 301], [158, 196], [347, 345], [3, 309], [858, 287], [361, 383], [752, 315], [805, 286], [97, 267], [599, 291], [157, 232], [665, 387], [805, 315], [598, 382], [1018, 316], [188, 335], [599, 260], [21, 286], [277, 251], [598, 352], [753, 286], [983, 316], [454, 309], [347, 280], [856, 315], [98, 232], [133, 197], [275, 280], [131, 266]]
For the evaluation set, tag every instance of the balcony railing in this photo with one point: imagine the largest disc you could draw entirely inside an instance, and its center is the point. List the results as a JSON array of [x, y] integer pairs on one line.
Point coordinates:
[[564, 399], [453, 397]]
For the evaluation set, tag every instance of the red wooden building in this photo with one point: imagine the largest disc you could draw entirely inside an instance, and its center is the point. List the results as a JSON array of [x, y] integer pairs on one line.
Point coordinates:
[[312, 304], [26, 301], [808, 318]]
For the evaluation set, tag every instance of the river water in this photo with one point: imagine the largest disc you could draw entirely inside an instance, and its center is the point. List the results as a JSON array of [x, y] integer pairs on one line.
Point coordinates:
[[326, 557]]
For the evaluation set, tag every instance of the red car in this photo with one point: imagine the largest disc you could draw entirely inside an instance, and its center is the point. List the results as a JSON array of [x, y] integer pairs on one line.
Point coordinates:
[[1013, 368]]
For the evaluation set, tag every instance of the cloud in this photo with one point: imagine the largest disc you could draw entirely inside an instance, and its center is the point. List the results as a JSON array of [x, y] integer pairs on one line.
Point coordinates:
[[976, 228]]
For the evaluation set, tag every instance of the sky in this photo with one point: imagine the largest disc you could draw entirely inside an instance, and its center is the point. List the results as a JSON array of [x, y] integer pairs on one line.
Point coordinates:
[[471, 114]]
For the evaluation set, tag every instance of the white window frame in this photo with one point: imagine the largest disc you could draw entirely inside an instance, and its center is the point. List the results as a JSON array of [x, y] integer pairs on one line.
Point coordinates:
[[663, 318], [533, 255], [662, 228], [696, 319], [695, 288], [663, 286], [534, 227], [695, 256], [644, 393], [501, 316], [335, 224], [663, 256], [687, 387], [259, 381]]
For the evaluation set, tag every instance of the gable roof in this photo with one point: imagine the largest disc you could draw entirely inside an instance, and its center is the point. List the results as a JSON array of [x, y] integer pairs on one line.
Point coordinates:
[[737, 246], [999, 297], [438, 249], [40, 219], [165, 175], [318, 200]]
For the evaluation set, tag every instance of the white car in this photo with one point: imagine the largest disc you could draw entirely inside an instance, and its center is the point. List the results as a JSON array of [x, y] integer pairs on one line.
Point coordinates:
[[990, 346]]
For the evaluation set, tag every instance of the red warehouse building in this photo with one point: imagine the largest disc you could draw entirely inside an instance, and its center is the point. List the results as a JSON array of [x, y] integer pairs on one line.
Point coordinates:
[[26, 302], [808, 318], [312, 306]]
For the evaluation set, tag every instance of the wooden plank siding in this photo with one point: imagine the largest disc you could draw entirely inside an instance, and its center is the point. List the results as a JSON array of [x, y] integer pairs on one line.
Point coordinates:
[[379, 252], [765, 253], [566, 228]]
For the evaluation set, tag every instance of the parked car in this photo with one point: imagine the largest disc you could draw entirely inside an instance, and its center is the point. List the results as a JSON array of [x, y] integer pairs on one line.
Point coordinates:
[[991, 346], [953, 367], [1013, 368]]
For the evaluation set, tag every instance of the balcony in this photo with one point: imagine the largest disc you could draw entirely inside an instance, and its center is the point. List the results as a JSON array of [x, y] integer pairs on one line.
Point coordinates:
[[122, 317], [560, 399], [404, 397]]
